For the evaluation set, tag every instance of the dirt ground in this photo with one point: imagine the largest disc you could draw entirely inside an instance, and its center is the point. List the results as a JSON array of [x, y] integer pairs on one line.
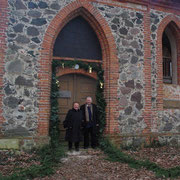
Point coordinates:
[[92, 165]]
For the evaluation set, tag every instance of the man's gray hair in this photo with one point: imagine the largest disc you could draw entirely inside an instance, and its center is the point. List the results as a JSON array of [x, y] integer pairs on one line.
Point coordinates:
[[89, 97]]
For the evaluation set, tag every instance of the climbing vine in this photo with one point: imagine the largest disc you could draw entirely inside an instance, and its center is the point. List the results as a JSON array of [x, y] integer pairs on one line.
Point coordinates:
[[101, 103]]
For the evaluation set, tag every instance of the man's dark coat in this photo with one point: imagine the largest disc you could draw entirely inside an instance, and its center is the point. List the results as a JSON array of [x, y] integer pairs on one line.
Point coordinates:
[[95, 117], [73, 123]]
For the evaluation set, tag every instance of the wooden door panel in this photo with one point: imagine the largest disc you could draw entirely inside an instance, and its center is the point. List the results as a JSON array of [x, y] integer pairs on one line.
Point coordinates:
[[63, 102], [86, 86], [66, 84], [63, 111]]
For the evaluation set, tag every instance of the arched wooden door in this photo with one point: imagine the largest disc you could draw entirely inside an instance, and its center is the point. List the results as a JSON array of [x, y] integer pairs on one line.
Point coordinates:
[[73, 87]]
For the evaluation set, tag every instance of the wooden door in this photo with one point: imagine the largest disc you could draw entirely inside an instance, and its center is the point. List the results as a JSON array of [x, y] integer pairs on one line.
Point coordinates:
[[73, 87]]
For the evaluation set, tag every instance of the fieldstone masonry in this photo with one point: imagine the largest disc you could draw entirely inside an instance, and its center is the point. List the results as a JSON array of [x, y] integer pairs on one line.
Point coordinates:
[[27, 23], [127, 28]]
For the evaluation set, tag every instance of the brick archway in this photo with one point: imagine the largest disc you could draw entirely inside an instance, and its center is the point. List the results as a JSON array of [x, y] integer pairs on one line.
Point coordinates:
[[75, 71], [176, 31], [110, 62]]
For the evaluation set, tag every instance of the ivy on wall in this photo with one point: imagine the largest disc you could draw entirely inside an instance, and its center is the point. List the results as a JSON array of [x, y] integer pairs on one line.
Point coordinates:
[[101, 103]]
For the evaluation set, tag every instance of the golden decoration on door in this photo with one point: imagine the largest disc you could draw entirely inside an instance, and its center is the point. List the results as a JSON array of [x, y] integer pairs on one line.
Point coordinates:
[[58, 83], [90, 69], [101, 85]]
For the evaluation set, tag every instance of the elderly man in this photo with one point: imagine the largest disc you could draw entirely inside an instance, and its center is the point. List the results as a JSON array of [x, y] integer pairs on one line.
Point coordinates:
[[90, 114]]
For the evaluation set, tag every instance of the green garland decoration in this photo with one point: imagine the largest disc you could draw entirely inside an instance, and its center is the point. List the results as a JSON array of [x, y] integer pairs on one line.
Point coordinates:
[[101, 103]]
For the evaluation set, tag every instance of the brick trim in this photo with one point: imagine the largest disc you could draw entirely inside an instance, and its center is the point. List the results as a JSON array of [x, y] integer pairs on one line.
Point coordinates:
[[61, 72], [110, 61], [159, 60], [147, 73], [4, 25]]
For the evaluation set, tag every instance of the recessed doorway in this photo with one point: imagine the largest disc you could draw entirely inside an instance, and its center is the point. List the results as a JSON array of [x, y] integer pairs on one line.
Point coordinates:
[[73, 87]]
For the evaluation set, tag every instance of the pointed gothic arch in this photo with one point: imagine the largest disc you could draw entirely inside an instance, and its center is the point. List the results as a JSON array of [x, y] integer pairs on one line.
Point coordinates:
[[77, 39], [173, 23], [169, 48], [106, 39]]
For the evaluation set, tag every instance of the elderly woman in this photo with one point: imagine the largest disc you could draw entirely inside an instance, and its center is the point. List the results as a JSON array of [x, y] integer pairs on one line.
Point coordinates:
[[73, 123]]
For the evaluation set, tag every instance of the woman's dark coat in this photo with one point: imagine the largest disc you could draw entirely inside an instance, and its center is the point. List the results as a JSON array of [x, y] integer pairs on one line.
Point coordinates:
[[73, 123]]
